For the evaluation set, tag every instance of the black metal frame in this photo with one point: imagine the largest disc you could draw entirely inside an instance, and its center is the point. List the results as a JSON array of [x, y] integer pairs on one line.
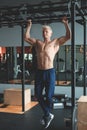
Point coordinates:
[[75, 7], [73, 82], [50, 7], [45, 12]]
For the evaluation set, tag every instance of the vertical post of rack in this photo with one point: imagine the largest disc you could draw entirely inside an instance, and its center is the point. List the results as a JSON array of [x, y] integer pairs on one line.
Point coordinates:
[[23, 68], [73, 82], [84, 27]]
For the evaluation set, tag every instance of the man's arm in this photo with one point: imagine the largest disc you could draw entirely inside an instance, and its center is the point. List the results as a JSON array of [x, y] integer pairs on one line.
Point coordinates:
[[65, 38], [27, 36]]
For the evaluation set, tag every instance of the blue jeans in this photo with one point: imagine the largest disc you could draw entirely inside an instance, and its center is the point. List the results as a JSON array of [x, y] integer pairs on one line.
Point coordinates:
[[45, 79]]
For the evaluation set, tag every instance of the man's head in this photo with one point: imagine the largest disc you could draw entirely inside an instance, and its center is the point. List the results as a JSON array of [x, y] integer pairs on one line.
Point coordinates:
[[47, 31]]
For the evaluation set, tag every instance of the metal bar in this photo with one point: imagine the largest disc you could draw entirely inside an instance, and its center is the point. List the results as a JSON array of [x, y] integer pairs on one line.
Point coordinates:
[[80, 11], [57, 72], [52, 3], [32, 10], [73, 80], [36, 19], [48, 9], [73, 75], [84, 87], [23, 69], [48, 17], [65, 64]]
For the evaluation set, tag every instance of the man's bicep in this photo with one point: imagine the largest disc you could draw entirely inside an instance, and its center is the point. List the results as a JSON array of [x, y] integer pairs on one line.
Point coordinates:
[[31, 40], [62, 40]]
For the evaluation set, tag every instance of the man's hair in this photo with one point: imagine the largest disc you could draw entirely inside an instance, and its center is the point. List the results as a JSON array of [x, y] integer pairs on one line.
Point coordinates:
[[46, 27]]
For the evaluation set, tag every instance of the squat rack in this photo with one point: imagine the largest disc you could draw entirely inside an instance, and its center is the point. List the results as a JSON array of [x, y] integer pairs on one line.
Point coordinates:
[[46, 12], [74, 6]]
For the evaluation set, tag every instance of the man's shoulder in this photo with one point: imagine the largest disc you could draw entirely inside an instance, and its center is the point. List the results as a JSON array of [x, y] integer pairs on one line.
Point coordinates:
[[55, 40], [39, 41]]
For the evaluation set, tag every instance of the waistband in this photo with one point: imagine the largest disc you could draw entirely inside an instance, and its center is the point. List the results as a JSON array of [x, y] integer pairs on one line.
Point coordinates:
[[45, 69]]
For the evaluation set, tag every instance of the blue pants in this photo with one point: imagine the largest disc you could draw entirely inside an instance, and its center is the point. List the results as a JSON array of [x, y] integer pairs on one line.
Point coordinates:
[[45, 79]]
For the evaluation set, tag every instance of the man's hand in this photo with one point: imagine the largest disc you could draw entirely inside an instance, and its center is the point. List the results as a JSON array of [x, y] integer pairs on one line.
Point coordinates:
[[65, 20], [29, 23]]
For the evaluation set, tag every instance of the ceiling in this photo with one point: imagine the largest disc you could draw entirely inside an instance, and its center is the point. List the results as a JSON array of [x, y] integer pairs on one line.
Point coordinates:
[[18, 2], [18, 12]]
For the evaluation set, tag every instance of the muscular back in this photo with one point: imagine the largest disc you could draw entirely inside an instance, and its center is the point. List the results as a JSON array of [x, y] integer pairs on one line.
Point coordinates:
[[45, 54]]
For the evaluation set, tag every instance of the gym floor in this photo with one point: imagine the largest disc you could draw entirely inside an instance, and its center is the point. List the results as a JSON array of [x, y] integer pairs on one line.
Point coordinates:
[[29, 120]]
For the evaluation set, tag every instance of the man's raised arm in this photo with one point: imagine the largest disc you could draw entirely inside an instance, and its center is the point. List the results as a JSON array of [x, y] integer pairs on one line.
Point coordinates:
[[27, 36], [67, 36]]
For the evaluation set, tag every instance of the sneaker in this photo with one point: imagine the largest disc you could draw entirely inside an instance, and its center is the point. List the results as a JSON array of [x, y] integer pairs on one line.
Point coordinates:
[[48, 120]]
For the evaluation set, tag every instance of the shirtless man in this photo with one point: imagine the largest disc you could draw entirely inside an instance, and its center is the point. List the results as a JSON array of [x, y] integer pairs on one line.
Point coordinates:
[[45, 75]]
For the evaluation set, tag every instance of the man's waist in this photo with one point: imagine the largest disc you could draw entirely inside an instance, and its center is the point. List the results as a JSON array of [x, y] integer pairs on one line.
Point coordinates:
[[39, 69]]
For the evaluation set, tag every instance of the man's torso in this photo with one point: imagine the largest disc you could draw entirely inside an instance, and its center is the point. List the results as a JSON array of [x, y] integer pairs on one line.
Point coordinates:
[[45, 54]]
